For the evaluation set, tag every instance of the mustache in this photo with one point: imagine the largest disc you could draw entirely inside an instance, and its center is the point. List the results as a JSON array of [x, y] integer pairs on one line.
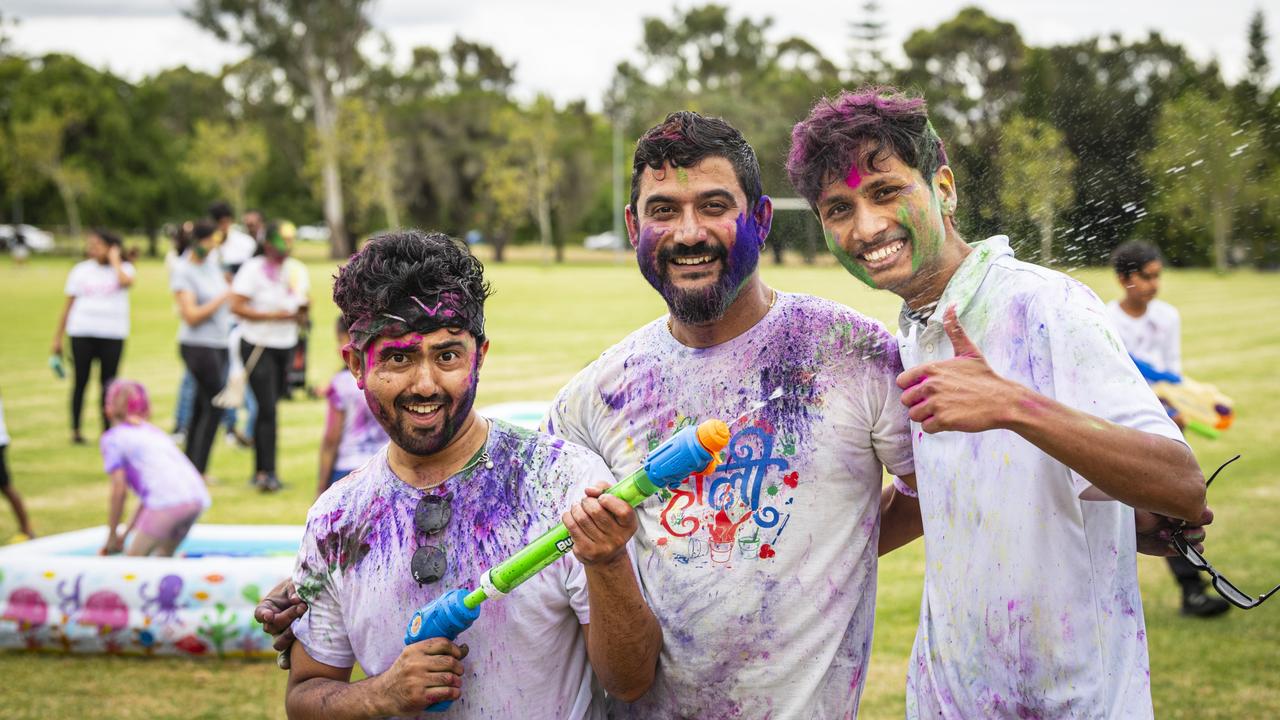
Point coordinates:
[[405, 400], [715, 250]]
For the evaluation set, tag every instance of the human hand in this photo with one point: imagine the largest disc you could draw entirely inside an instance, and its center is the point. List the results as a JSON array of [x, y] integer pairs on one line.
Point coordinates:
[[277, 611], [113, 254], [963, 393], [1154, 532], [56, 348], [600, 525], [426, 673], [113, 546]]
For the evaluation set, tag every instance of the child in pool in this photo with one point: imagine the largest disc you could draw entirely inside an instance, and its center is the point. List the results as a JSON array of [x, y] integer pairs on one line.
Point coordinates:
[[140, 456]]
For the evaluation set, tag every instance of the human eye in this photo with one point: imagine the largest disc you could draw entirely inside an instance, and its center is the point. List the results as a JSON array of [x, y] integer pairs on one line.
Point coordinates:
[[661, 212], [836, 210], [886, 192]]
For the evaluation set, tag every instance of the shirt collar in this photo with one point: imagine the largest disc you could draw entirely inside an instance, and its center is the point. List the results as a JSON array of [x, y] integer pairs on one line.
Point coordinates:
[[964, 283]]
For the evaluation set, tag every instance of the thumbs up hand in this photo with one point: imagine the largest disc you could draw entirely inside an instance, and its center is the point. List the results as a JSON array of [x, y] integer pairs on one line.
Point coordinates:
[[961, 394]]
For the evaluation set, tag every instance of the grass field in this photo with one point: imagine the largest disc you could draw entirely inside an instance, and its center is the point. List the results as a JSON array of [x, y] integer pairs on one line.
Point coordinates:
[[545, 323]]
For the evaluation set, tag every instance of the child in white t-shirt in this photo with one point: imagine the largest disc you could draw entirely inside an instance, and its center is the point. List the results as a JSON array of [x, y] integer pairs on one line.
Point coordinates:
[[1152, 332]]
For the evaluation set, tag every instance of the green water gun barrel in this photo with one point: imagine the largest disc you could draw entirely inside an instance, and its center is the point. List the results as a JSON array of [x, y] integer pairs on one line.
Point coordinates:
[[692, 450]]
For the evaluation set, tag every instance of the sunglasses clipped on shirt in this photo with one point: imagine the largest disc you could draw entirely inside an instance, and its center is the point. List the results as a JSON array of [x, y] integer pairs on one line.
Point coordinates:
[[1225, 587], [430, 561]]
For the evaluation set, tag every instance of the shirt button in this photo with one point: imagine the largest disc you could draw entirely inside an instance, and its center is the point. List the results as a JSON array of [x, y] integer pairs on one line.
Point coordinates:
[[929, 348]]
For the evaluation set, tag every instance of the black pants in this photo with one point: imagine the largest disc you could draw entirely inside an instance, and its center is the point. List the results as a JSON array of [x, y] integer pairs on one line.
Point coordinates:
[[267, 381], [1186, 573], [208, 367], [84, 350]]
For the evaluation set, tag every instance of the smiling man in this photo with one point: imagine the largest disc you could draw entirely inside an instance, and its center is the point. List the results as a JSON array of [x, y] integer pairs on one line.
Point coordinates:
[[1033, 431], [762, 573], [451, 496]]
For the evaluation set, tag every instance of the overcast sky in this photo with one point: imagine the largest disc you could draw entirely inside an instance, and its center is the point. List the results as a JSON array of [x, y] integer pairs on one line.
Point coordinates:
[[569, 48]]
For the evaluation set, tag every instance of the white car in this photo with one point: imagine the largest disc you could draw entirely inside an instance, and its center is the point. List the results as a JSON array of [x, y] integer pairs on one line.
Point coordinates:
[[603, 241], [313, 233], [33, 237]]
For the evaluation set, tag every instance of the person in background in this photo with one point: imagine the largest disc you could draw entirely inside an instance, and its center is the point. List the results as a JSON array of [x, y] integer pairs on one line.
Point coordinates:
[[139, 456], [96, 318], [352, 434], [270, 297], [255, 226], [184, 404], [201, 290], [234, 246], [10, 492], [1152, 332]]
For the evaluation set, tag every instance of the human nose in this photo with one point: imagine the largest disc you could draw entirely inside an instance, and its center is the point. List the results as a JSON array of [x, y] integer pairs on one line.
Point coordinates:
[[688, 231], [425, 381], [867, 227]]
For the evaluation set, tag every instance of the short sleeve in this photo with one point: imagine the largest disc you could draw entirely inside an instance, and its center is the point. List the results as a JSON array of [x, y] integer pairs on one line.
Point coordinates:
[[129, 270], [244, 283], [891, 432], [72, 288], [570, 414], [180, 279], [1087, 366], [113, 456], [322, 630]]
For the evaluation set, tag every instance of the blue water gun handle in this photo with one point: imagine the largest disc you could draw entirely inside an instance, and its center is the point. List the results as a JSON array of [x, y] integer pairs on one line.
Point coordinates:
[[446, 616], [1152, 375]]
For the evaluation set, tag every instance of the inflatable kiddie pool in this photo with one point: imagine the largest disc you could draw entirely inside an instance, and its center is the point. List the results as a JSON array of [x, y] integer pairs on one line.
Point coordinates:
[[57, 594]]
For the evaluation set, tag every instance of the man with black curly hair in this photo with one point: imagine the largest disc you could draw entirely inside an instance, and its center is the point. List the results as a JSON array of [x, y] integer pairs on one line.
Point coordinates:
[[451, 495]]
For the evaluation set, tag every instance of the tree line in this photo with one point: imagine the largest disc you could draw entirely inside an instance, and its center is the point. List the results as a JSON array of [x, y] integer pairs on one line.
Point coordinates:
[[1069, 149]]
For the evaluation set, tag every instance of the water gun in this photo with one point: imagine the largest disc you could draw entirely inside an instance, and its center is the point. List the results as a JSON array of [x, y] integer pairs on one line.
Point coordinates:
[[692, 450], [1206, 410], [55, 364]]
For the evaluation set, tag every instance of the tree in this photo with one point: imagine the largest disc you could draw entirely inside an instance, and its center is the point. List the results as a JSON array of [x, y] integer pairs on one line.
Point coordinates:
[[225, 156], [866, 57], [316, 44], [522, 174], [37, 151], [368, 162], [1036, 176], [1201, 162]]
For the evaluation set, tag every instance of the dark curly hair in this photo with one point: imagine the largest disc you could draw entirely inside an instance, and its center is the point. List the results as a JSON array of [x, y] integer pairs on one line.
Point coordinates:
[[396, 266], [861, 127], [1130, 257], [684, 139]]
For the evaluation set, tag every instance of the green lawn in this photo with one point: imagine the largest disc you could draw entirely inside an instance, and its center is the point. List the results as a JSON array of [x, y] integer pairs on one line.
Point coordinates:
[[546, 322]]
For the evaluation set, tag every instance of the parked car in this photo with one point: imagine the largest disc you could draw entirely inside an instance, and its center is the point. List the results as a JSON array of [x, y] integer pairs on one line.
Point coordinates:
[[34, 238], [604, 241], [313, 233]]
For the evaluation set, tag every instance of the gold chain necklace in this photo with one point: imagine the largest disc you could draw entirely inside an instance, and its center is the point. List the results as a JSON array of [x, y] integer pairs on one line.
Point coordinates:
[[773, 298]]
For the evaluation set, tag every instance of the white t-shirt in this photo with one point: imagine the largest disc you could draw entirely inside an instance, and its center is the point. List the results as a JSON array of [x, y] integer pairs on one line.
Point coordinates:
[[1154, 338], [237, 248], [4, 432], [528, 657], [1030, 604], [271, 288], [762, 574], [101, 309]]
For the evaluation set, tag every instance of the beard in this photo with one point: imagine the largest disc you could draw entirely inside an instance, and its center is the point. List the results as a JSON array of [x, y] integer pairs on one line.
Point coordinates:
[[426, 441], [708, 304]]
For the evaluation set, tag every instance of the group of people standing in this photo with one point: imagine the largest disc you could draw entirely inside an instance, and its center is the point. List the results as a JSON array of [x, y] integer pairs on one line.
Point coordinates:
[[1025, 446], [241, 300]]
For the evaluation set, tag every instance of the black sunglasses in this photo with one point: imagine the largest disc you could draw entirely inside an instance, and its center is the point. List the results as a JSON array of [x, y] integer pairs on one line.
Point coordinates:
[[1225, 587], [430, 561]]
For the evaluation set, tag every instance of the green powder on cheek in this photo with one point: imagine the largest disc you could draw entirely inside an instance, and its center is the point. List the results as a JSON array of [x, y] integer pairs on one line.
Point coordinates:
[[923, 247], [852, 265]]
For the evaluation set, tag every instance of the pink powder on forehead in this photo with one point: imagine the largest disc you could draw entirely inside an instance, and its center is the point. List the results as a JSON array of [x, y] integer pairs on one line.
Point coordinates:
[[854, 178]]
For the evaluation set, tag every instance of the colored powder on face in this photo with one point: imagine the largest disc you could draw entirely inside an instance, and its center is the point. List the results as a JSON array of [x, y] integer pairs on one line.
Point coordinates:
[[854, 178], [849, 262], [682, 177], [926, 238]]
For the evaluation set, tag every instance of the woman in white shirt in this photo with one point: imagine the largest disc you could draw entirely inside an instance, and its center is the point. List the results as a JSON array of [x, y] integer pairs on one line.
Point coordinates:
[[269, 294], [96, 318]]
